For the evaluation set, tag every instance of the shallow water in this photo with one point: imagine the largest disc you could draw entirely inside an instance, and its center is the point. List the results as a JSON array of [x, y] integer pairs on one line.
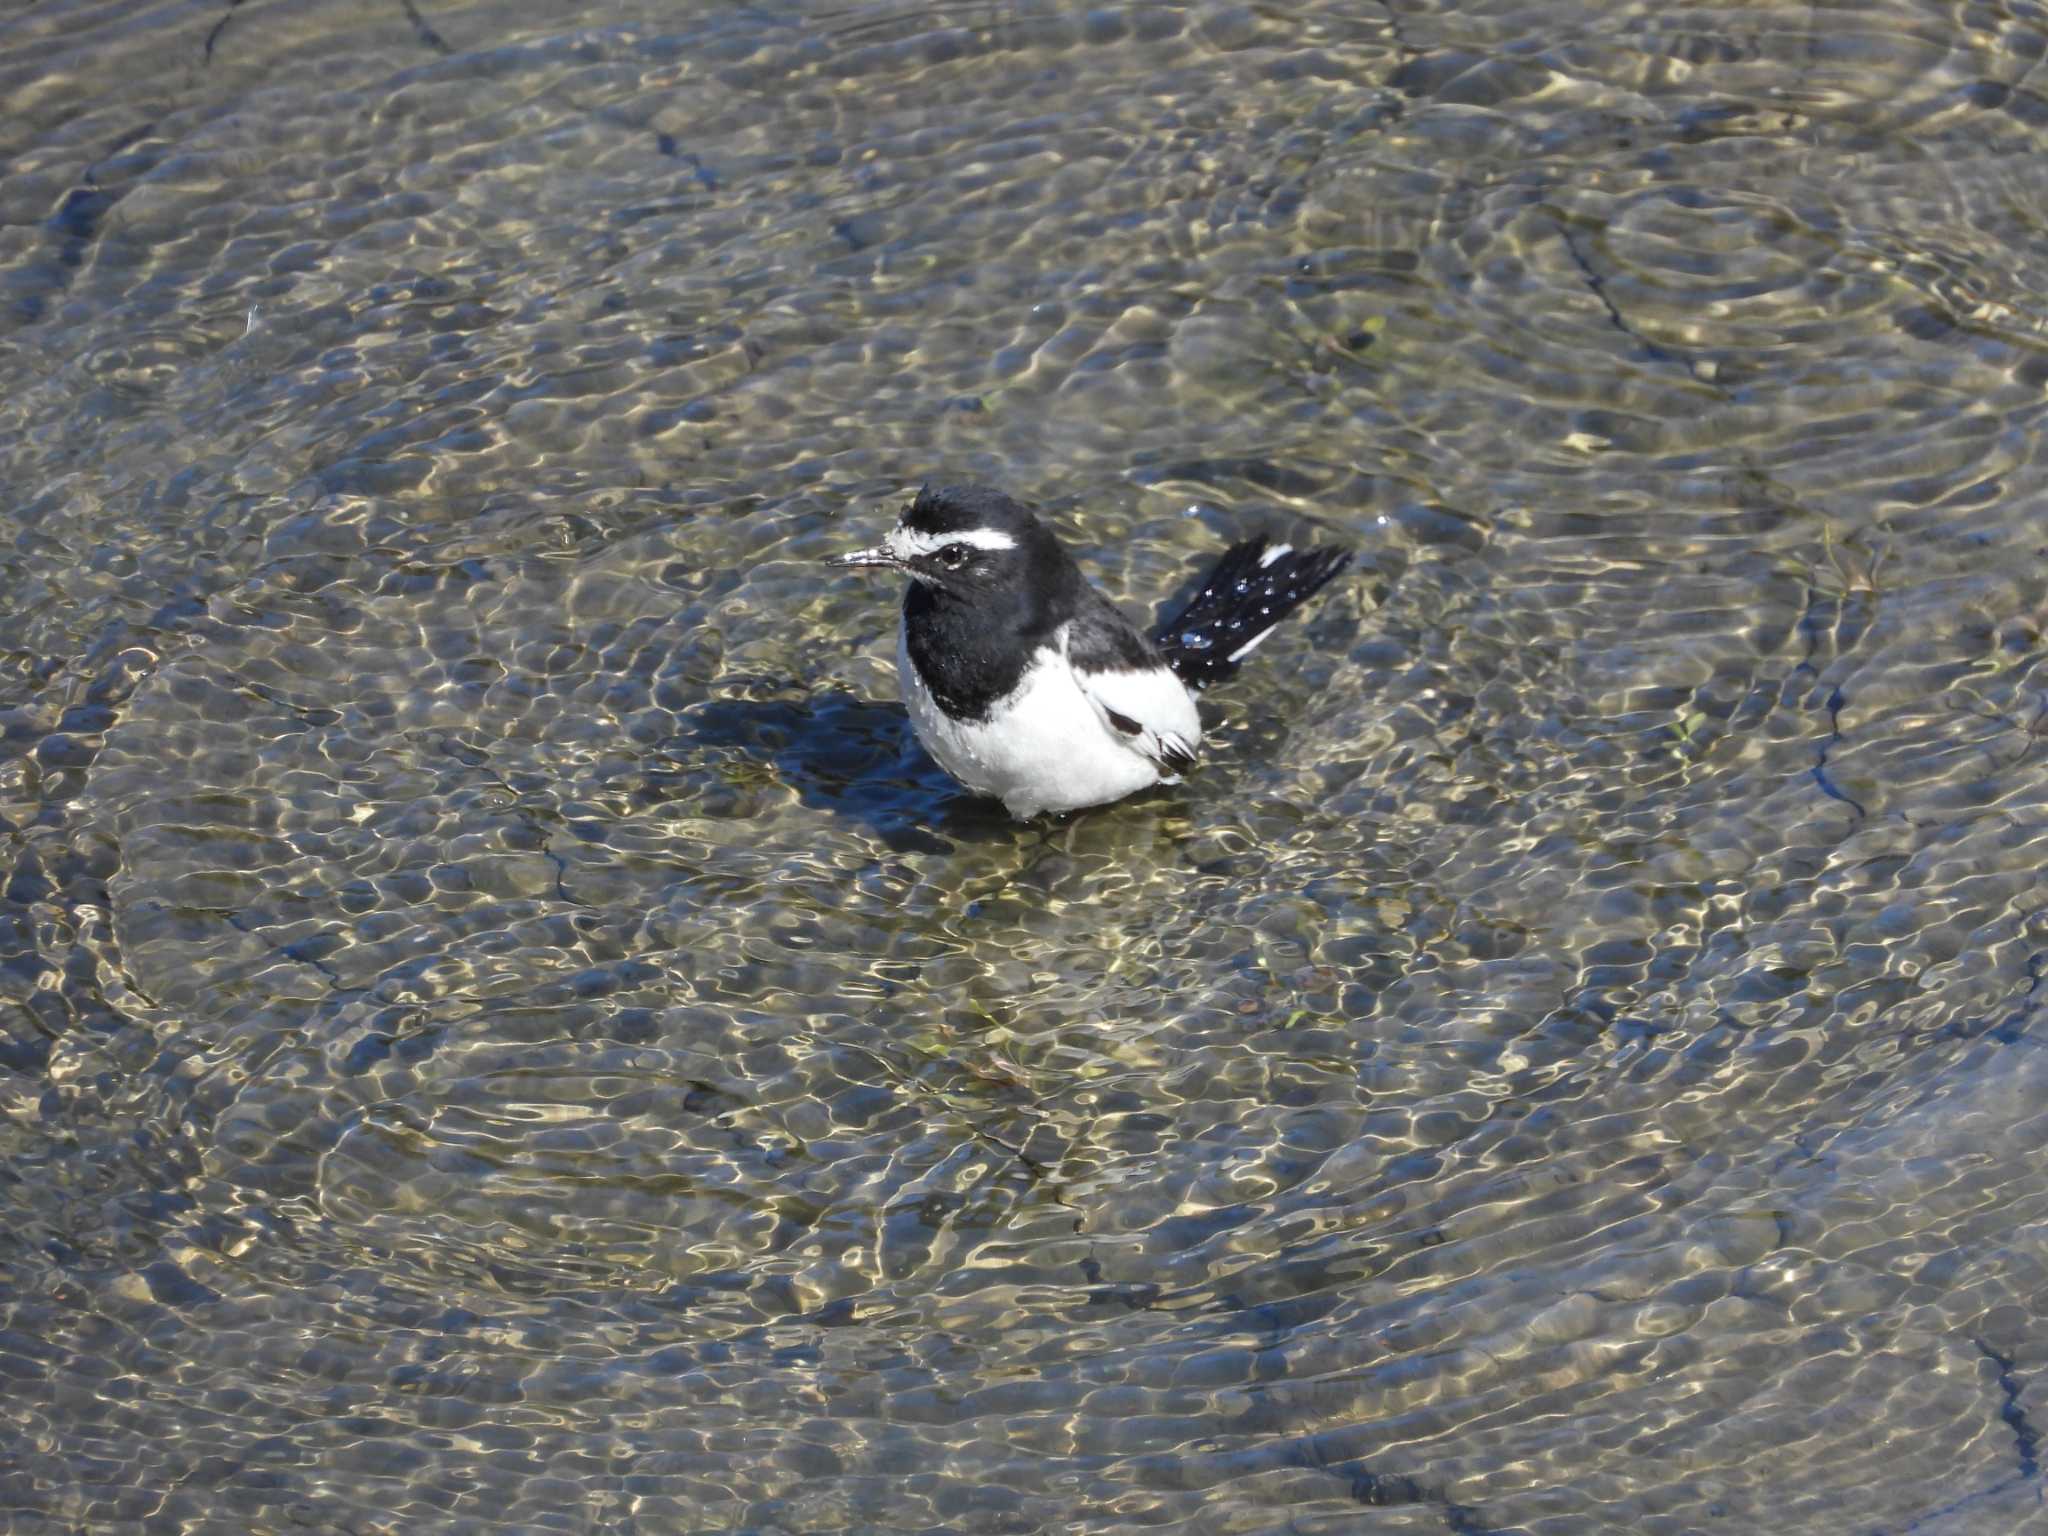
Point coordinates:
[[502, 1030]]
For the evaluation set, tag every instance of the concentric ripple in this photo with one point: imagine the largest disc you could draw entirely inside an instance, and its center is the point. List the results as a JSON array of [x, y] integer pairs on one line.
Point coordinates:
[[503, 1029]]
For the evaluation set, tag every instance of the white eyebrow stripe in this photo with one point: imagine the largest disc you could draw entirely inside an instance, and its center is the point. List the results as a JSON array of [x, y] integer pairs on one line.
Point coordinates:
[[908, 543], [1277, 552]]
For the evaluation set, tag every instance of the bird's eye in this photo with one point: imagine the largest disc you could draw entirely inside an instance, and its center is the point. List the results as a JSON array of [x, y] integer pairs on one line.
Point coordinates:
[[953, 556]]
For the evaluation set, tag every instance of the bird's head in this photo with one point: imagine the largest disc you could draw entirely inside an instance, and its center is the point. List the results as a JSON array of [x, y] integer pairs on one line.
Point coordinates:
[[961, 540]]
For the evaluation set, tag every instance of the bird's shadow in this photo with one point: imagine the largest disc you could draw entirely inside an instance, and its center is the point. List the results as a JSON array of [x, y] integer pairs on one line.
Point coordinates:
[[851, 757]]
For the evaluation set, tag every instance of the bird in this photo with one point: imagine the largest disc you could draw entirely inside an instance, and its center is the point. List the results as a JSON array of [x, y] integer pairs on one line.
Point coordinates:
[[1026, 684]]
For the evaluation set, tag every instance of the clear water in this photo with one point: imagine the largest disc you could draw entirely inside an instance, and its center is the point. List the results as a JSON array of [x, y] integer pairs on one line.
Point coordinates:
[[500, 1030]]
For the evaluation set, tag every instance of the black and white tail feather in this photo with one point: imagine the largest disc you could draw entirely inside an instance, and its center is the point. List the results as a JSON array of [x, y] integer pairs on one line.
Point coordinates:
[[1253, 587], [1027, 684]]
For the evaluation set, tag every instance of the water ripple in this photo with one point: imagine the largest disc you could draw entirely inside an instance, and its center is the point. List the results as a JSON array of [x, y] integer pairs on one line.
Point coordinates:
[[503, 1027]]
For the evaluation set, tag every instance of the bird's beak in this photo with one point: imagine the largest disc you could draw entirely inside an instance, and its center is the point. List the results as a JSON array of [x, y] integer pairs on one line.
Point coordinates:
[[875, 556]]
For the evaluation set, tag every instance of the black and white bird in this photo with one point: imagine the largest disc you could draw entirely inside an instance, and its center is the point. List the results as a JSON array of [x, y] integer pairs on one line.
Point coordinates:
[[1027, 684]]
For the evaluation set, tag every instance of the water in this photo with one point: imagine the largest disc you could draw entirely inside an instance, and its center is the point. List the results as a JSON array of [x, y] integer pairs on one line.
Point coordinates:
[[503, 1031]]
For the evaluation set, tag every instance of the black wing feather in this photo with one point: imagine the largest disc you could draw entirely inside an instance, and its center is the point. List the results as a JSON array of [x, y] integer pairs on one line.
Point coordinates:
[[1100, 639]]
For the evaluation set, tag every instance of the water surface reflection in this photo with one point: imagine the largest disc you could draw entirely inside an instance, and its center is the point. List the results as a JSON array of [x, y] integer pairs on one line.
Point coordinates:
[[502, 1028]]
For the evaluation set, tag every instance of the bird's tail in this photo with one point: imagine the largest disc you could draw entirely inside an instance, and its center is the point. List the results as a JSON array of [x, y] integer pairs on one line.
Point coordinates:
[[1254, 586]]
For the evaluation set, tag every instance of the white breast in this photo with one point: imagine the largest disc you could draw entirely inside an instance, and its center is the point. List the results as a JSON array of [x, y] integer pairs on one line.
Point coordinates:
[[1044, 747]]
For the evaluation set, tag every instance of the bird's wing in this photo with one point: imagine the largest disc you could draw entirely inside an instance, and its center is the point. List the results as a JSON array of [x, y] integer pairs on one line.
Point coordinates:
[[1132, 689]]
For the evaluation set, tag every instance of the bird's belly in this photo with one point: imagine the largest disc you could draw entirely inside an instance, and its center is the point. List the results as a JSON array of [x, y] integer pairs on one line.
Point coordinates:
[[1042, 748]]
